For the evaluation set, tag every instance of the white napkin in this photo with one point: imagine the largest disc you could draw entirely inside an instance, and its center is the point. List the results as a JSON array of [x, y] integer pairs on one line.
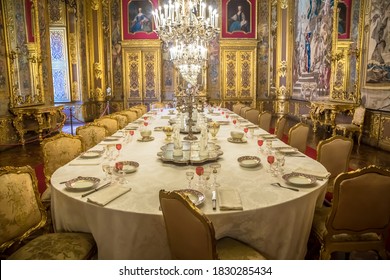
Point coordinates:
[[229, 199], [317, 174], [86, 161], [106, 195]]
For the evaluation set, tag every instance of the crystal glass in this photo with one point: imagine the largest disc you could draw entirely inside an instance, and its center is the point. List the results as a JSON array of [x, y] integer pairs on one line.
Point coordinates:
[[271, 160], [168, 130], [121, 173], [190, 176], [215, 167], [206, 178], [105, 168], [280, 160], [199, 171], [260, 142], [118, 147], [246, 131]]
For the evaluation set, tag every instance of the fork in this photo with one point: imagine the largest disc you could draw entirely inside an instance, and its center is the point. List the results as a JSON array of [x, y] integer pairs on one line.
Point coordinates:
[[279, 185]]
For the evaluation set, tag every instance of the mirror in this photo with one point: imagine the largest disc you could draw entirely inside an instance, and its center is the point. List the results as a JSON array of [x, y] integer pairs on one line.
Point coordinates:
[[23, 52]]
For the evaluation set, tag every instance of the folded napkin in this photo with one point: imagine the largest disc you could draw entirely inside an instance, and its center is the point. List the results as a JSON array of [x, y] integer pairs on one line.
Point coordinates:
[[317, 174], [229, 199], [106, 195]]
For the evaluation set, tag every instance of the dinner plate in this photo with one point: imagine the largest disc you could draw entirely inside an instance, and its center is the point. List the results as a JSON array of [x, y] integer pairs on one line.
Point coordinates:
[[126, 167], [91, 154], [82, 183], [111, 139], [131, 127], [159, 128], [249, 161], [195, 196], [287, 150], [269, 136], [146, 139], [230, 139], [223, 122], [299, 179]]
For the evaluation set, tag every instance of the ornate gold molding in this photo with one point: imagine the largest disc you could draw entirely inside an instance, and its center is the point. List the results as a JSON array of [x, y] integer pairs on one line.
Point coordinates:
[[283, 4], [97, 70], [73, 48], [282, 68], [95, 4]]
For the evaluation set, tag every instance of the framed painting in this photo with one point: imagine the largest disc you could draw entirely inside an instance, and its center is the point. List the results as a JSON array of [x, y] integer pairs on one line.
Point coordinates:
[[377, 66], [239, 19], [313, 32], [344, 19], [137, 19]]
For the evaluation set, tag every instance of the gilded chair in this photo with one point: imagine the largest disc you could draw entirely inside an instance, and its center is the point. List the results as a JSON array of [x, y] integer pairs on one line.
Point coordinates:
[[191, 234], [297, 136], [57, 151], [122, 120], [265, 120], [138, 111], [252, 115], [131, 115], [237, 108], [142, 107], [279, 128], [334, 153], [110, 123], [243, 111], [356, 126], [22, 215], [359, 218], [91, 134]]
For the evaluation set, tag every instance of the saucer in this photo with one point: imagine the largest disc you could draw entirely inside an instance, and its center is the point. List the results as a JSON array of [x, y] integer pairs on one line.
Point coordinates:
[[230, 139], [146, 139], [249, 161]]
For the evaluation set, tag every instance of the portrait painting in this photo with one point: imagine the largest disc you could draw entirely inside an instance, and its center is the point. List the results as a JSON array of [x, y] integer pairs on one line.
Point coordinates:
[[344, 19], [312, 49], [137, 19], [377, 68], [239, 19]]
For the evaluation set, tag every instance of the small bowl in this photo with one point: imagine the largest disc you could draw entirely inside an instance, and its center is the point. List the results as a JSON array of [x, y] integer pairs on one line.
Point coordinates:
[[146, 133], [237, 135]]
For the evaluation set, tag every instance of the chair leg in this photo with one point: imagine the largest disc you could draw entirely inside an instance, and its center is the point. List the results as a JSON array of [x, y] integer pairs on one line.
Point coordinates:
[[382, 253], [324, 253], [359, 138]]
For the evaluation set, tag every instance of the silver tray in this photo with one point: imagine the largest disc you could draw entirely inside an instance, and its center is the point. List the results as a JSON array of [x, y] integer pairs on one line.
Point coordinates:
[[188, 156]]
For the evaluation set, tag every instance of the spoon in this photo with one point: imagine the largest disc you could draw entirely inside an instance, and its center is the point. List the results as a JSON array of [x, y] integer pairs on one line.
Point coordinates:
[[279, 185]]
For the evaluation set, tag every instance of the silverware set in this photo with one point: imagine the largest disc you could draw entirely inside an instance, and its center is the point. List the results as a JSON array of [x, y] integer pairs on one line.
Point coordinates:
[[284, 187]]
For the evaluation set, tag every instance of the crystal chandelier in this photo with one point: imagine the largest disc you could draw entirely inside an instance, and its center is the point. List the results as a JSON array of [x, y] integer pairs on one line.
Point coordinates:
[[186, 21]]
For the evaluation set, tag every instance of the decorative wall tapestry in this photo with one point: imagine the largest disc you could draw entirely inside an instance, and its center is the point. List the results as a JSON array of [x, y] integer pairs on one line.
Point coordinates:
[[312, 49]]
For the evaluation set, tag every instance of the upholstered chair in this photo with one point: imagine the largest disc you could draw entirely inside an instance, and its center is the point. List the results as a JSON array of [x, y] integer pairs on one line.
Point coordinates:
[[122, 120], [359, 218], [143, 108], [22, 214], [252, 115], [356, 126], [237, 108], [191, 234], [265, 120], [279, 128], [110, 123], [297, 136], [243, 111], [57, 151], [334, 153], [92, 134], [138, 111], [131, 115]]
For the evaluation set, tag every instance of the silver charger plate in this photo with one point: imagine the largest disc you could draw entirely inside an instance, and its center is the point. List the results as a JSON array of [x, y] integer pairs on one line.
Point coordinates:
[[299, 179], [249, 161], [91, 154], [80, 184], [128, 167], [232, 140], [195, 196]]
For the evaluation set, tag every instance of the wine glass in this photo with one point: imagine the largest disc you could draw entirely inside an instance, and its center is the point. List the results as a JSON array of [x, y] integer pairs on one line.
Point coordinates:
[[270, 160], [268, 144], [246, 131], [260, 143], [118, 147], [206, 177], [199, 171], [280, 160], [190, 176], [213, 128], [145, 124], [105, 167], [121, 173], [235, 122], [227, 115], [215, 167]]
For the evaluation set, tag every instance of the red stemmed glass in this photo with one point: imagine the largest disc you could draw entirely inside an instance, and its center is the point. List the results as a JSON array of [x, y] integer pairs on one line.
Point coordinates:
[[234, 122], [271, 160], [227, 115], [131, 132], [246, 131], [145, 123], [118, 148], [199, 171], [223, 112], [260, 143], [145, 118]]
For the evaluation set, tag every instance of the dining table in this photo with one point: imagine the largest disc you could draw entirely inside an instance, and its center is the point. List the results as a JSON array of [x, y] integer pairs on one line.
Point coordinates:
[[274, 220]]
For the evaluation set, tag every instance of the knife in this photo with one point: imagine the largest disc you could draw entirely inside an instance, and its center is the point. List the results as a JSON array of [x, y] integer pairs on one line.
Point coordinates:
[[214, 200], [97, 189]]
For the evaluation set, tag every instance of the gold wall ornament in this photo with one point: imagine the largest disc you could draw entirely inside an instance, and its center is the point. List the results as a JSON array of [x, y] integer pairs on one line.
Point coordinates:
[[282, 68], [384, 137], [283, 4], [97, 70], [75, 91], [73, 48], [95, 4]]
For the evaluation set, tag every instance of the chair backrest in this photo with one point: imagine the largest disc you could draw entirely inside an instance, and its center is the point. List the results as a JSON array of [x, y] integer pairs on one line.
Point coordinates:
[[92, 134], [265, 120], [157, 105], [237, 108], [279, 128], [137, 110], [361, 202], [297, 136], [58, 151], [334, 154], [358, 116], [110, 123], [243, 111], [131, 115], [142, 107], [252, 115], [122, 120], [191, 235], [21, 210]]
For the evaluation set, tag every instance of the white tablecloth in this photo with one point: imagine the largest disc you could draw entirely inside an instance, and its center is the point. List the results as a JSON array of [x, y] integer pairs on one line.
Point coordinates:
[[276, 221]]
